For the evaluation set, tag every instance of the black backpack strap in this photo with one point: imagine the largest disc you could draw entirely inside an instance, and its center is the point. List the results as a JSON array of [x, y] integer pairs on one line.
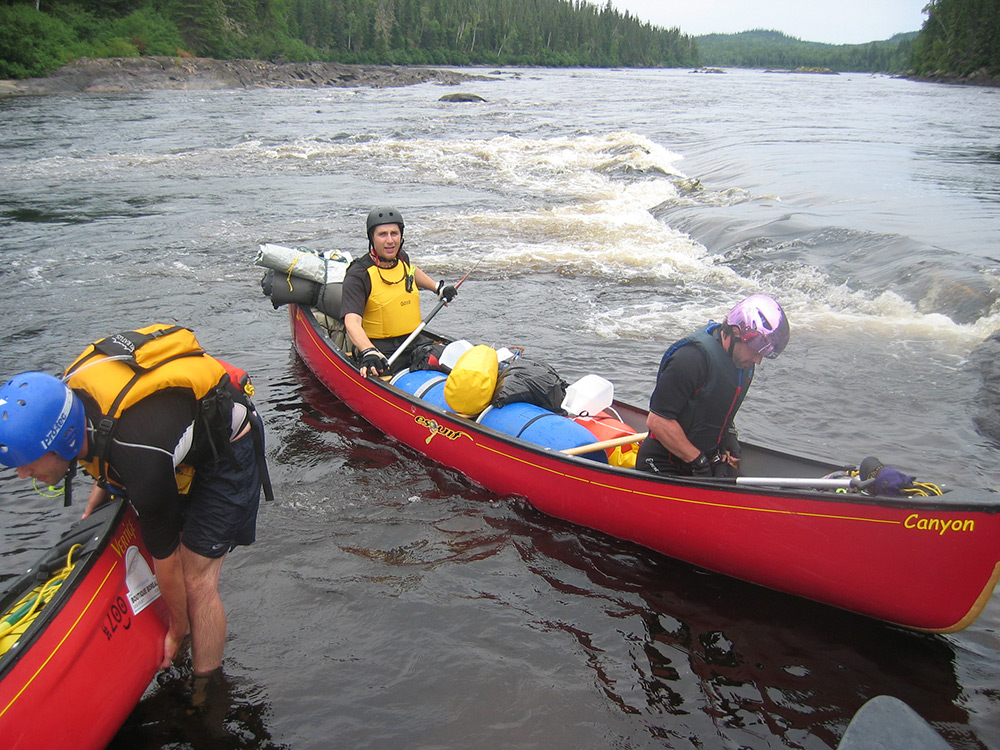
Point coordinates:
[[104, 430], [257, 431]]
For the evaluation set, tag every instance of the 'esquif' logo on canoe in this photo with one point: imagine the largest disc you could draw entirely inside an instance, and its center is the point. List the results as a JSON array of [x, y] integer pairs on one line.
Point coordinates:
[[440, 429]]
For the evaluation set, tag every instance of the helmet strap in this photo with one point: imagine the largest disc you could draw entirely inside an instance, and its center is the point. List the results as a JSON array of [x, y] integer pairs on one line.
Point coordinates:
[[732, 337], [380, 263], [68, 484]]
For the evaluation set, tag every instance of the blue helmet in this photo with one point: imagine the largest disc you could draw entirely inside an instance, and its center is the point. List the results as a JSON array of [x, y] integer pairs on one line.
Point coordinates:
[[39, 413]]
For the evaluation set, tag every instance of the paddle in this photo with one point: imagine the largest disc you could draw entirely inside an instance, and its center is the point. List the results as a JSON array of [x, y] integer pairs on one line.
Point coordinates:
[[819, 483], [604, 444], [425, 321], [888, 723]]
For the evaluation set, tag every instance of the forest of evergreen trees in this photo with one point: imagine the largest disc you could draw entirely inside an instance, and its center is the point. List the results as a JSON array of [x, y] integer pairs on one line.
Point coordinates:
[[418, 32], [959, 37], [772, 49]]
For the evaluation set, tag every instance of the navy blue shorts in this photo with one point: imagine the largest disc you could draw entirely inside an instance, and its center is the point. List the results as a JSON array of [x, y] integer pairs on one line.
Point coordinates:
[[221, 509]]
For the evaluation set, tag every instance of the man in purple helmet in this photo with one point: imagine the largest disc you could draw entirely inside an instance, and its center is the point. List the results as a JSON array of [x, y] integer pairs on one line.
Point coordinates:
[[701, 383]]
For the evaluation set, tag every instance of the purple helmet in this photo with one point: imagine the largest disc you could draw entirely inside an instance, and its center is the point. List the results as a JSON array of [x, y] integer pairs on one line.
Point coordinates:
[[38, 414], [760, 323]]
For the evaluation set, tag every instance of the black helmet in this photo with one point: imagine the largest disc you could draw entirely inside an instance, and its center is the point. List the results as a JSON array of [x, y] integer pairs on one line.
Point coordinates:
[[383, 216]]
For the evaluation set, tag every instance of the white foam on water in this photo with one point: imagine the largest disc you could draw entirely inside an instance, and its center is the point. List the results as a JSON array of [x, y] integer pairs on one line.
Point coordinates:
[[577, 205]]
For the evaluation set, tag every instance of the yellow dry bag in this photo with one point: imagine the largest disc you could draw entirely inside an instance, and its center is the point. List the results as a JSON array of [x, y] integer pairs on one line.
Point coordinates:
[[470, 385]]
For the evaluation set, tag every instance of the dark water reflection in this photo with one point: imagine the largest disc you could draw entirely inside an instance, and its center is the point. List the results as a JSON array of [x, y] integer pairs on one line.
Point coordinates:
[[757, 663], [221, 713]]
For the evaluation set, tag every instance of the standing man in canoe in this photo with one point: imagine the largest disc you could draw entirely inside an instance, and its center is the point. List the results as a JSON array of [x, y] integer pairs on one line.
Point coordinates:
[[702, 381], [381, 295], [153, 418]]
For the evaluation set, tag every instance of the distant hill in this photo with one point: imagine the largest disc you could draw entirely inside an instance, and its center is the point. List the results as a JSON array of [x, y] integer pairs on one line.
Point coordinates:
[[763, 48]]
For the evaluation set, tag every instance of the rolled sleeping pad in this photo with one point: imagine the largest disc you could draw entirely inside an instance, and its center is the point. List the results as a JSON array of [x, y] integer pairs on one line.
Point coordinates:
[[285, 290], [541, 427], [300, 262], [328, 299]]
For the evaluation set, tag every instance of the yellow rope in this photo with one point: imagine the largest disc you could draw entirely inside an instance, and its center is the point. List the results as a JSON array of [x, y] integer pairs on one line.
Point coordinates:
[[923, 489], [288, 278], [19, 618]]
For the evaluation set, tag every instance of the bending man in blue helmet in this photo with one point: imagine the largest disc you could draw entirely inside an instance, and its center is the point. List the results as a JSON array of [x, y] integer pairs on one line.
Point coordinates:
[[702, 381], [153, 418], [380, 303]]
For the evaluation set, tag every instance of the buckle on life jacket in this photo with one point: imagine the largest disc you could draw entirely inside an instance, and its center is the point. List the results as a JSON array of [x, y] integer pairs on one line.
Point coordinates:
[[102, 434]]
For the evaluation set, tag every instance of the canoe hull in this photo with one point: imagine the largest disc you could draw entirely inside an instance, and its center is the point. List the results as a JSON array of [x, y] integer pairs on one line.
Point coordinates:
[[73, 679], [923, 563]]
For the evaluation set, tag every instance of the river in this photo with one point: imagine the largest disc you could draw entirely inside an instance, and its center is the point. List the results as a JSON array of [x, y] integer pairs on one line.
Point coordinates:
[[391, 603]]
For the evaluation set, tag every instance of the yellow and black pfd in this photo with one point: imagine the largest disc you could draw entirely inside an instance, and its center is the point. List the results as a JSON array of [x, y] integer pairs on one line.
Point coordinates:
[[121, 370], [393, 305]]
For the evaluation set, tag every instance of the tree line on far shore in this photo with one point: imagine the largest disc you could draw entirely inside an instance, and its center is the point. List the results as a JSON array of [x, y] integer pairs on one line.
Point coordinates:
[[772, 49], [959, 37], [404, 32]]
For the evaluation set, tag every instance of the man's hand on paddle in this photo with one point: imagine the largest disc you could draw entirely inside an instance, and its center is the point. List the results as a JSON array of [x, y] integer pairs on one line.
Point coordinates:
[[447, 292], [373, 363]]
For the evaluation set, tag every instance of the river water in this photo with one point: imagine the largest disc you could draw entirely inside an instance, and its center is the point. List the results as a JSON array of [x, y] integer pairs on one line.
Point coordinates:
[[392, 603]]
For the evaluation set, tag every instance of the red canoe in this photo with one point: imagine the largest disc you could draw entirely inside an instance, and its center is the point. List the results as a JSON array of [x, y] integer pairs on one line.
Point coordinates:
[[77, 671], [927, 563]]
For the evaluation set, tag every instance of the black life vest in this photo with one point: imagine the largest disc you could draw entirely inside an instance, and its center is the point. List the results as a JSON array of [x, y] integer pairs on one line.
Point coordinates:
[[707, 416]]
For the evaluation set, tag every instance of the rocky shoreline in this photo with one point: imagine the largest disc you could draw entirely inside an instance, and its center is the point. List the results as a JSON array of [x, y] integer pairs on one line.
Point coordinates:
[[977, 79], [137, 74]]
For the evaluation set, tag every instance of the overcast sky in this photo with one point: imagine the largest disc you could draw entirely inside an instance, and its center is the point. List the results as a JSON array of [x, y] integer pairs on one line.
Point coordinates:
[[837, 22]]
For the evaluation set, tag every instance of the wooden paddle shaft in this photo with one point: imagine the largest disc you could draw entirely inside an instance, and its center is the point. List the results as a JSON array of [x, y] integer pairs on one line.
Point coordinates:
[[605, 444]]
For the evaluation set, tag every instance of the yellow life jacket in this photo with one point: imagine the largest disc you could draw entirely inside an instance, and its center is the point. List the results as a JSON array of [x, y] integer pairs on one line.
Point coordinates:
[[393, 307], [123, 369]]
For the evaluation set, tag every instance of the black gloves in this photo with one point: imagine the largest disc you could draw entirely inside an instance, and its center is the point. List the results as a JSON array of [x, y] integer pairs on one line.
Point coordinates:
[[375, 362], [446, 291], [715, 464], [701, 466]]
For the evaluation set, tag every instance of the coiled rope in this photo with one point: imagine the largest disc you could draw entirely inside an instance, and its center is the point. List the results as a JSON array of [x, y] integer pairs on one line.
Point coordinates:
[[19, 618]]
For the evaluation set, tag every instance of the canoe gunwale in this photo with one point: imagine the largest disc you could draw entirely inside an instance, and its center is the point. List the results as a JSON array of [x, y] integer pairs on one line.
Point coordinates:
[[94, 533]]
